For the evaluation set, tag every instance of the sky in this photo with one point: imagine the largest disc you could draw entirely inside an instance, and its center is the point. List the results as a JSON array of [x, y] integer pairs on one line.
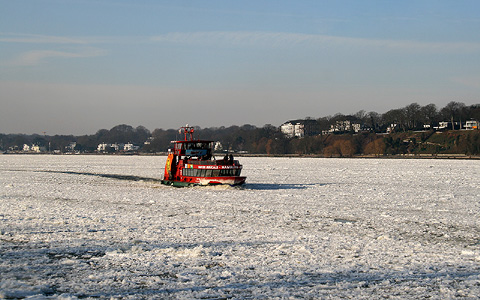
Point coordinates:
[[77, 66]]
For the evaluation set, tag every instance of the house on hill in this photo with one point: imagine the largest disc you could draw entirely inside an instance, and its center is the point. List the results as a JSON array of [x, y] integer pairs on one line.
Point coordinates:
[[33, 148], [345, 126], [471, 125], [300, 128]]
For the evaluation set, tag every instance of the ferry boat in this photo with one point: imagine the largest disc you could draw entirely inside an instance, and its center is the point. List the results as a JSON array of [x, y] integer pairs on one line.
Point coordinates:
[[191, 162]]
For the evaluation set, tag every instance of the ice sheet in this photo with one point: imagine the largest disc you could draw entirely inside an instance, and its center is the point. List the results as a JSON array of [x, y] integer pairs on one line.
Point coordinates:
[[102, 226]]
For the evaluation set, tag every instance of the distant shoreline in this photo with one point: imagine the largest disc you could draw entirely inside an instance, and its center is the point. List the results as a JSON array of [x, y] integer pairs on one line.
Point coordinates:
[[396, 156], [370, 156]]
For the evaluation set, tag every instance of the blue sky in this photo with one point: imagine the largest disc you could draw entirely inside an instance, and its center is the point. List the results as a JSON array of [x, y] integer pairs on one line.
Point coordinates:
[[73, 67]]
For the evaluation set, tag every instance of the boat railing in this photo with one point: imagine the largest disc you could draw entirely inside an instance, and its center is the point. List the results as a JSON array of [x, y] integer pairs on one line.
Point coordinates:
[[201, 162], [220, 162]]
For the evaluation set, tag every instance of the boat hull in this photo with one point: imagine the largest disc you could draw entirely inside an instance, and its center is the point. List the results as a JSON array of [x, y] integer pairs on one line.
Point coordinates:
[[205, 181]]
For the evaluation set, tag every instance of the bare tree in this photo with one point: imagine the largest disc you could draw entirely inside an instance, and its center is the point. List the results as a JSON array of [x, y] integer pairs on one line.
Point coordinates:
[[429, 114], [412, 114], [453, 111]]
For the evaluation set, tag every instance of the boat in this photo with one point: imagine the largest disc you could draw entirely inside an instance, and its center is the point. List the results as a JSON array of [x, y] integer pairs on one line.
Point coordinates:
[[191, 162]]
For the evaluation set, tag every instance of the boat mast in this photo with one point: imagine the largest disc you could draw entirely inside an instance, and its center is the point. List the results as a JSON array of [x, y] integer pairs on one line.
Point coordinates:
[[187, 130]]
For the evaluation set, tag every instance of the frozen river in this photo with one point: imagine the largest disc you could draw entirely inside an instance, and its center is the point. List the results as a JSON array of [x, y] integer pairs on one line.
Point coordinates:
[[103, 227]]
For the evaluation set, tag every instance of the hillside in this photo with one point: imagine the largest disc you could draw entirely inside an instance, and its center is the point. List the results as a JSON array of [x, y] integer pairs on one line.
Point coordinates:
[[403, 143]]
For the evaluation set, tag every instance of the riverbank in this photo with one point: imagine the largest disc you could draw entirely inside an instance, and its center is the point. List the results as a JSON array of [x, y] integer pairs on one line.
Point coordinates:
[[364, 156]]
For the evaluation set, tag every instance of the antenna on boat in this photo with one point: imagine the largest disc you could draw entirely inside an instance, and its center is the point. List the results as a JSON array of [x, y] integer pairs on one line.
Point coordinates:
[[188, 130]]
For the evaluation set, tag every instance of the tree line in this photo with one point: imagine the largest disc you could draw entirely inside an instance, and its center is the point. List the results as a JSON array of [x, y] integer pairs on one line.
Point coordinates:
[[270, 140], [83, 143], [410, 117]]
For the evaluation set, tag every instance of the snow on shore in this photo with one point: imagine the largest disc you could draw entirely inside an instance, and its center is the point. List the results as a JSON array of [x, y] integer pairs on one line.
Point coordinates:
[[103, 227]]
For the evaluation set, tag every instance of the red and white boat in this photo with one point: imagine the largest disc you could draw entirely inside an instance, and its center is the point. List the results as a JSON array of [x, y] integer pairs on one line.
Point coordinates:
[[191, 162]]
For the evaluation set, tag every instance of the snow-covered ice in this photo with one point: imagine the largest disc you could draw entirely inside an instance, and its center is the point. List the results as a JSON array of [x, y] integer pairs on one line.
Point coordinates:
[[104, 227]]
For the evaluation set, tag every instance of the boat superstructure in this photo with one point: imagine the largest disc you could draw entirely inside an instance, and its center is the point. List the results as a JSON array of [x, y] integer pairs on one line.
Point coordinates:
[[191, 162]]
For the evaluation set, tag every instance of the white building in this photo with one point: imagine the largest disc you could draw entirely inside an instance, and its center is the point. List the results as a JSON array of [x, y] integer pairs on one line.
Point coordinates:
[[341, 126], [102, 147], [448, 125], [471, 125], [38, 149], [293, 129], [356, 127], [71, 147], [130, 147], [344, 126], [391, 128], [148, 141], [34, 148], [115, 147]]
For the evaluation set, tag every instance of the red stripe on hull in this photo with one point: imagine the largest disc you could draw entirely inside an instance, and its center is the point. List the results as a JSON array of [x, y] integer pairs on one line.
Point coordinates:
[[229, 180]]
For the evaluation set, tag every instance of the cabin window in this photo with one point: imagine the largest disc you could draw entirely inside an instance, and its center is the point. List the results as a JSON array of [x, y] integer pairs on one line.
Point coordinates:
[[211, 173], [227, 172]]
